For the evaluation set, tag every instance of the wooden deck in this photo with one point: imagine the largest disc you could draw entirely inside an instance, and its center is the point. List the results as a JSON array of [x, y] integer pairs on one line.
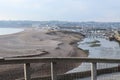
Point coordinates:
[[28, 60]]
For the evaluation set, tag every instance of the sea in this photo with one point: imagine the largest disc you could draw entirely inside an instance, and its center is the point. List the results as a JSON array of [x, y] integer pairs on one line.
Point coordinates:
[[5, 31]]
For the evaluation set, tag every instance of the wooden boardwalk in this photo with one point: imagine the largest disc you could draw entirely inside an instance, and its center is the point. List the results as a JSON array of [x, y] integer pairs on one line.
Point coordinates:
[[93, 73]]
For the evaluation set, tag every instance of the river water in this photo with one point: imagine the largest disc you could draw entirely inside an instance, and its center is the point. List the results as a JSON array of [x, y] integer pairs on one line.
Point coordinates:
[[107, 49], [5, 31]]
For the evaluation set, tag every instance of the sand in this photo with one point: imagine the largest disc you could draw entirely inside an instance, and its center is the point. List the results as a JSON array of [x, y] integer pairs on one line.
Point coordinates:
[[36, 42]]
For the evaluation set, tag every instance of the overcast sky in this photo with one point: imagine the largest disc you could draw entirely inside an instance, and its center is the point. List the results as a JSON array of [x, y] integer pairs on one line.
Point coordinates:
[[63, 10]]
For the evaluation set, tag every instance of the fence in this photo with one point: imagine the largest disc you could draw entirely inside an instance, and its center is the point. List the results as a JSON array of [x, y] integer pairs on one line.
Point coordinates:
[[28, 60]]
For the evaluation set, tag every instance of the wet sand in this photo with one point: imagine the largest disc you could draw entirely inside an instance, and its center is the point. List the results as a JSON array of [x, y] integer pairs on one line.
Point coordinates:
[[43, 43]]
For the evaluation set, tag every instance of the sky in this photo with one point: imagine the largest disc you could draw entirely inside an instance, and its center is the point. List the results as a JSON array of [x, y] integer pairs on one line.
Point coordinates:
[[61, 10]]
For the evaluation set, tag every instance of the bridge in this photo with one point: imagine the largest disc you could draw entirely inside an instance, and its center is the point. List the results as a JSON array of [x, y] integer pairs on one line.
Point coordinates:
[[93, 61]]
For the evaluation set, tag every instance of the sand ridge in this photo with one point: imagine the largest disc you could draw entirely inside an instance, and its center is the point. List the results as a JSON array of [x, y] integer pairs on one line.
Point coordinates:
[[32, 42]]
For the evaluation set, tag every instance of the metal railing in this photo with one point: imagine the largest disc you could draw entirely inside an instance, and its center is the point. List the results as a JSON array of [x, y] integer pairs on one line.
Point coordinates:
[[28, 60]]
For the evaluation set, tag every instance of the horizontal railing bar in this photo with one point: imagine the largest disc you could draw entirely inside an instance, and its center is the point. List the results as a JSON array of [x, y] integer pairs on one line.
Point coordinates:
[[60, 59]]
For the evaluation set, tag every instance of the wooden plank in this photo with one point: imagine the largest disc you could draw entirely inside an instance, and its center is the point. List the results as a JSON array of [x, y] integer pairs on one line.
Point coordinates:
[[53, 72], [50, 59], [93, 71], [27, 71]]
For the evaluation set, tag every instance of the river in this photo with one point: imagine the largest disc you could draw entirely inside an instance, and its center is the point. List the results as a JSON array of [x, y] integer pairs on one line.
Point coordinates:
[[107, 49]]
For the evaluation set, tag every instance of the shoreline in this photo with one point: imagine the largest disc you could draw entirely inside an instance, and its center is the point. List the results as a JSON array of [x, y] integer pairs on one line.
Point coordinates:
[[8, 31], [30, 43]]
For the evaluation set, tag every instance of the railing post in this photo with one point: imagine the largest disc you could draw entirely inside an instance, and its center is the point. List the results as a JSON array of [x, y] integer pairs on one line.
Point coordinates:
[[53, 72], [27, 71], [93, 71]]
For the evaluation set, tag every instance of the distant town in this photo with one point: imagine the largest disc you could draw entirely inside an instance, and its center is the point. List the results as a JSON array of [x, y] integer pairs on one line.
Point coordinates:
[[98, 29], [61, 24]]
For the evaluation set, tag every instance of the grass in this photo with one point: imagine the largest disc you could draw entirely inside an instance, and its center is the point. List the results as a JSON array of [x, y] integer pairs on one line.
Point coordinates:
[[95, 45], [86, 51], [93, 42]]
